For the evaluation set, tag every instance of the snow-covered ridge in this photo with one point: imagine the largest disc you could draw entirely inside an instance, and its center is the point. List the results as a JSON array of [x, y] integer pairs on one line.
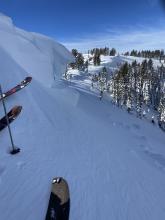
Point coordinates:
[[5, 21], [38, 55]]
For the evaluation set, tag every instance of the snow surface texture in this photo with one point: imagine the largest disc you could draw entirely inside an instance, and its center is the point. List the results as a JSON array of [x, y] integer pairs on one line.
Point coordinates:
[[114, 163], [38, 55]]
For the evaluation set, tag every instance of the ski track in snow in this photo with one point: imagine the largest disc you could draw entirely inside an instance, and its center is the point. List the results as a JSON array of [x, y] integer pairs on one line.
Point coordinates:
[[111, 173], [128, 180]]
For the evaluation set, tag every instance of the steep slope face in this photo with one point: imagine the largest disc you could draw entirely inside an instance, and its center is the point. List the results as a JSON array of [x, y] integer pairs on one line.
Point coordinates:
[[35, 53]]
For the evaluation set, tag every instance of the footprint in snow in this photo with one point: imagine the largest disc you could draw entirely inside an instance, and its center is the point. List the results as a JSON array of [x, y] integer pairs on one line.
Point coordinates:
[[114, 124], [2, 169], [144, 147], [127, 127], [141, 139], [120, 124], [21, 164], [158, 159], [136, 126]]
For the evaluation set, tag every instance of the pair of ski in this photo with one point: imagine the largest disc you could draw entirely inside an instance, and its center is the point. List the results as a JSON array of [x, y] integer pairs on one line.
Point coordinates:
[[59, 202], [16, 110]]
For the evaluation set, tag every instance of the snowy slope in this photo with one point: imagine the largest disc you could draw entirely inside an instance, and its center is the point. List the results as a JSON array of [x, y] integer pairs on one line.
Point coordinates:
[[112, 63], [114, 163], [35, 53]]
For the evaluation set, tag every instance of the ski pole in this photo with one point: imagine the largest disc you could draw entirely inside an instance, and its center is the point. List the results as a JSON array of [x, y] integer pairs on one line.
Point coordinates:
[[14, 150]]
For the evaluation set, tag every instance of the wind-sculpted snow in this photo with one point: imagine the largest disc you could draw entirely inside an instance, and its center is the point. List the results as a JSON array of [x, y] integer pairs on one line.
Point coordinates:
[[38, 55]]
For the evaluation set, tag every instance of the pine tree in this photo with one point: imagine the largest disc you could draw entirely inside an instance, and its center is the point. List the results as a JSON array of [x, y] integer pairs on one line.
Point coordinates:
[[74, 52], [96, 59], [80, 61], [113, 52]]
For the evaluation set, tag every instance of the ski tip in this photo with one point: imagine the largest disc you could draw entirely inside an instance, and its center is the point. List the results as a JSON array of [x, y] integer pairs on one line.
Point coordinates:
[[56, 180], [16, 110], [28, 79], [59, 180]]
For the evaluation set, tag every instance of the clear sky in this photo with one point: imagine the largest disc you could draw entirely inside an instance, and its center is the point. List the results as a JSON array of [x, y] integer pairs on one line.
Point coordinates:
[[124, 24]]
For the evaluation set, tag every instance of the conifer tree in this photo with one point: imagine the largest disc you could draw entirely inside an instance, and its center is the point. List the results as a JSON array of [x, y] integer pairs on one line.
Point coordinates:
[[113, 52]]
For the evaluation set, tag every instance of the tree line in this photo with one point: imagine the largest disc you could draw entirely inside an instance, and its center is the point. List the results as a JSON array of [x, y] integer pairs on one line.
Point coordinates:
[[106, 51], [157, 54], [139, 86], [80, 64], [97, 52]]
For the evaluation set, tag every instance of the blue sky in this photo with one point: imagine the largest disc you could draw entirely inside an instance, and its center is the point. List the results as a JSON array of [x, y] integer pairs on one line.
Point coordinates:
[[124, 24]]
